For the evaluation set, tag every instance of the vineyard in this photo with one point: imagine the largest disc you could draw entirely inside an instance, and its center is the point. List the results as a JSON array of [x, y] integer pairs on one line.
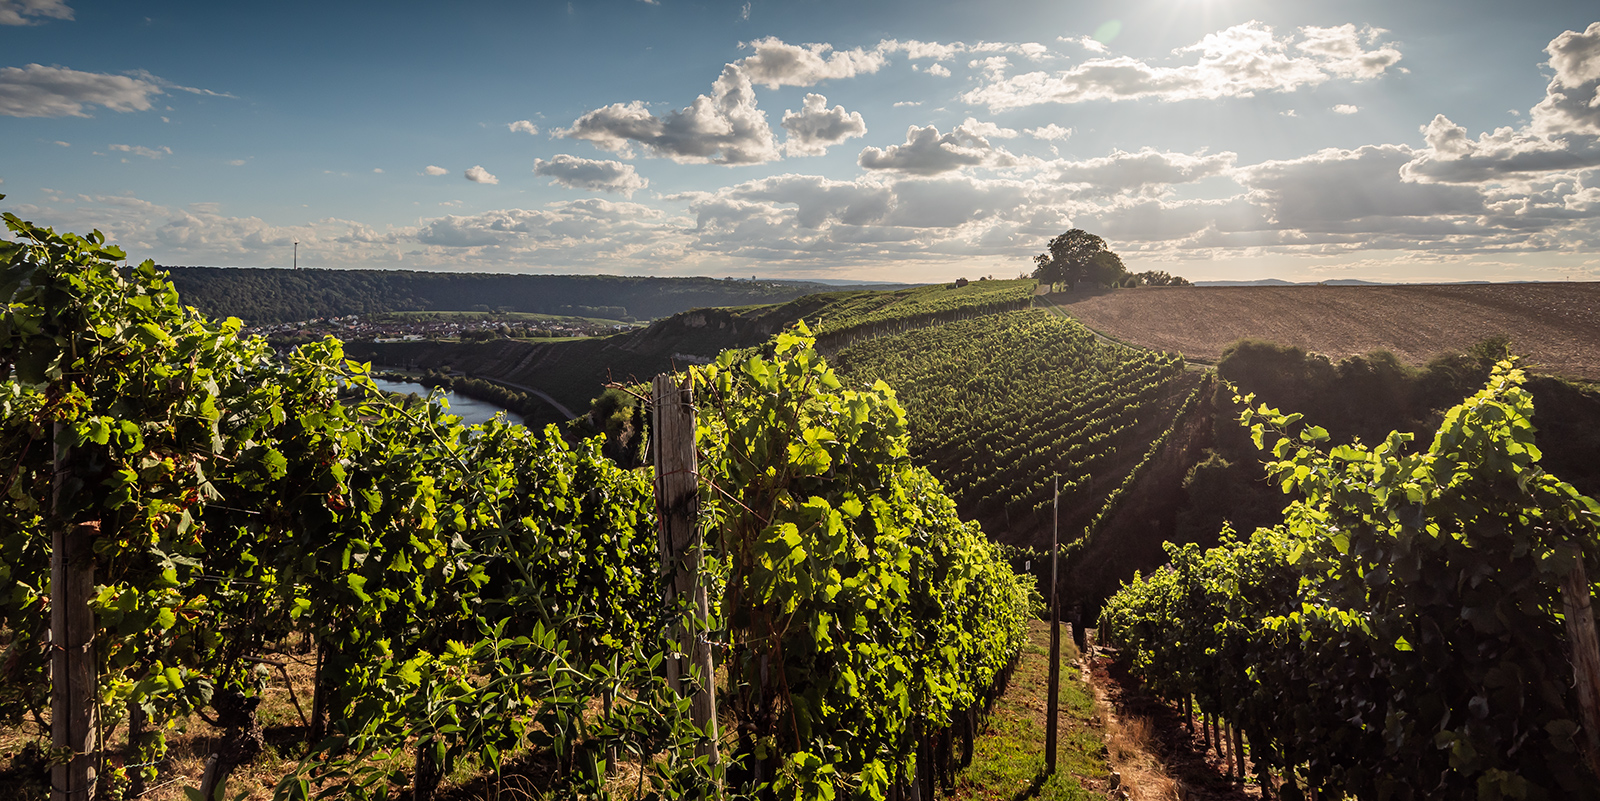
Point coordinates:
[[1005, 403], [1402, 633], [880, 313], [181, 504]]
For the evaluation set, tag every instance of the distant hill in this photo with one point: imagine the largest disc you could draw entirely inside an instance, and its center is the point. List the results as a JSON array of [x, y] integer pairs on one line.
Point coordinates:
[[265, 296]]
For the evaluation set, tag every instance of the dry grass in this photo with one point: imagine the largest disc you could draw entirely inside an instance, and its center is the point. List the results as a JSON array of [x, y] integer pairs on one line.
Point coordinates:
[[1130, 740]]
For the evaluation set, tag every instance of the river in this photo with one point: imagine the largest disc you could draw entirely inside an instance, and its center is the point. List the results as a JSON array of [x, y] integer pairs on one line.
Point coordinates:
[[470, 410]]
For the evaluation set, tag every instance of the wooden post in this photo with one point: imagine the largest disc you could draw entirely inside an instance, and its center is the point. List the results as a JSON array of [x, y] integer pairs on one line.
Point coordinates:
[[677, 514], [1238, 752], [73, 699], [1575, 602], [1055, 640], [1188, 712]]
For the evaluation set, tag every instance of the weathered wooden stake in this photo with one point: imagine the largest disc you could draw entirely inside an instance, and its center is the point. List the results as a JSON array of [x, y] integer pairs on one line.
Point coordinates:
[[73, 704], [677, 513], [1575, 602], [1238, 751], [1055, 640]]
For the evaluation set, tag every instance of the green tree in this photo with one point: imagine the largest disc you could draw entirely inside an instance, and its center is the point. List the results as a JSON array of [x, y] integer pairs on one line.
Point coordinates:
[[1078, 257]]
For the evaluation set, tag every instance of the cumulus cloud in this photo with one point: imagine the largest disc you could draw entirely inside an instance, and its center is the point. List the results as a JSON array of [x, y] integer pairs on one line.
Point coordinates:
[[32, 12], [1562, 134], [39, 91], [1572, 100], [927, 152], [1237, 62], [478, 175], [723, 128], [988, 130], [1049, 132], [776, 63], [938, 70], [815, 127], [1345, 108], [597, 175], [1129, 172], [523, 126], [916, 50], [139, 150], [586, 228], [434, 170], [1453, 156]]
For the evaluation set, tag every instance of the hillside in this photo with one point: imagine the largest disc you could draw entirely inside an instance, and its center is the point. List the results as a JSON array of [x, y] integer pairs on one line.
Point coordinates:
[[260, 296], [1555, 325], [576, 371]]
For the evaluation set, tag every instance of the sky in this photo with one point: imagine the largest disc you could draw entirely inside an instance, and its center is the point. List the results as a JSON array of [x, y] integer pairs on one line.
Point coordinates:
[[1418, 141]]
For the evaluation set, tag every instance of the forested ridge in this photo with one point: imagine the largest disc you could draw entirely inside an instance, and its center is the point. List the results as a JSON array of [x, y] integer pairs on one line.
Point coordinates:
[[264, 296]]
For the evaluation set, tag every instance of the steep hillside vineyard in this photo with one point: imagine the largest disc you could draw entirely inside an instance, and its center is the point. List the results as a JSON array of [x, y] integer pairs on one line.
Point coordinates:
[[1002, 404], [879, 313], [468, 589]]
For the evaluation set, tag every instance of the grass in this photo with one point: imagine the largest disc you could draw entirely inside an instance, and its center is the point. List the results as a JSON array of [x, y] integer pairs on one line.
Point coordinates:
[[1008, 757]]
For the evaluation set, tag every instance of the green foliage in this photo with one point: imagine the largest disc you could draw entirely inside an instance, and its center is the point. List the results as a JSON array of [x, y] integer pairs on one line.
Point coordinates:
[[1400, 634], [877, 313], [1004, 403], [1078, 258], [469, 588], [861, 611]]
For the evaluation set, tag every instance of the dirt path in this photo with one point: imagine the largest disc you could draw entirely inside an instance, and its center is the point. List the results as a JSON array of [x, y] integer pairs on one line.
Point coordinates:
[[1195, 772]]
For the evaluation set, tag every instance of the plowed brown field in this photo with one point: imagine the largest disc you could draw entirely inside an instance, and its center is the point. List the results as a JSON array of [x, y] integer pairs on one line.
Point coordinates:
[[1554, 326]]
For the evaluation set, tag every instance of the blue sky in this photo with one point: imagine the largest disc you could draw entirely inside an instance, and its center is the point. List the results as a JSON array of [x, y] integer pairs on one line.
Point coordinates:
[[1217, 139]]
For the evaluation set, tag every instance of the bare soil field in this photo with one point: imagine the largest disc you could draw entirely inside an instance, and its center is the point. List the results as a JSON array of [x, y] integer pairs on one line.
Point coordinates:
[[1554, 326]]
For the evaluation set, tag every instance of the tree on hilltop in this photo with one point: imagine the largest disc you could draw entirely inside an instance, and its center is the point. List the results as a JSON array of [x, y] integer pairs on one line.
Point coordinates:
[[1077, 257]]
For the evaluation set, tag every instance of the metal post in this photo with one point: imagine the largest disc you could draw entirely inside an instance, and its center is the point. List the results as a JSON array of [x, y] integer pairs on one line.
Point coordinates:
[[677, 512]]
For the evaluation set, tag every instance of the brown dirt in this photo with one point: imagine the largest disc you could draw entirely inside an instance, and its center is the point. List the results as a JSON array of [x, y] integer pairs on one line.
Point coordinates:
[[1556, 326], [1198, 773]]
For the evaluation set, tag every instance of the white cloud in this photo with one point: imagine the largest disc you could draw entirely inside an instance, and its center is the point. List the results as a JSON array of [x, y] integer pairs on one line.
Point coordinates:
[[776, 63], [724, 128], [523, 126], [601, 176], [1572, 100], [938, 70], [60, 143], [926, 152], [1049, 132], [1086, 42], [815, 128], [378, 170], [988, 130], [1562, 135], [478, 175], [916, 50], [1237, 62], [434, 170], [903, 103], [1128, 172], [237, 162], [39, 91], [19, 12], [1345, 108], [139, 150]]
